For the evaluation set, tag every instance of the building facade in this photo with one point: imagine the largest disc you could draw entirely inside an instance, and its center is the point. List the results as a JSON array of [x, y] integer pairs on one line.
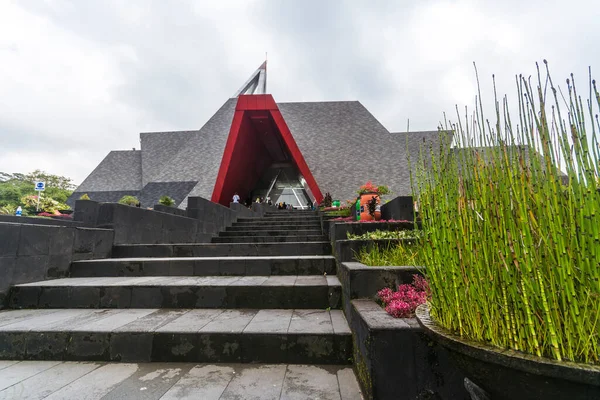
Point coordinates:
[[256, 147]]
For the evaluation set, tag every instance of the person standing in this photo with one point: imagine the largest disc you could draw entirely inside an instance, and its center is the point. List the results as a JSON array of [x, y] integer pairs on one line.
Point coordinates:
[[236, 198]]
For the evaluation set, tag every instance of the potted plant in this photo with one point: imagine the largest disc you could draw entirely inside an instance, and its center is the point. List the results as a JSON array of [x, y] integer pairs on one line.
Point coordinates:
[[366, 193], [511, 251]]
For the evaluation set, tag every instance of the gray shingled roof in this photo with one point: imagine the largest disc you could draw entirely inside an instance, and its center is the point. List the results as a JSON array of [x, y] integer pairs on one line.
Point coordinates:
[[199, 158], [345, 146], [119, 171], [153, 191], [158, 148]]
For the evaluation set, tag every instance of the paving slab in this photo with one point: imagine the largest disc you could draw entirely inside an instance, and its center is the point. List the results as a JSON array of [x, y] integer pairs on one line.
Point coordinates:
[[310, 382], [47, 382], [207, 382], [170, 381], [96, 384], [270, 321], [311, 321], [245, 383], [21, 371], [231, 321], [150, 381], [191, 321], [349, 388]]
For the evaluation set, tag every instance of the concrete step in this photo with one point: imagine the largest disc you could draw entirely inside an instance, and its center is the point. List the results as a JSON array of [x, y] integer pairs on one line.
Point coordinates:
[[168, 381], [182, 335], [275, 232], [298, 212], [205, 266], [284, 291], [269, 224], [268, 227], [291, 219], [222, 249], [268, 239]]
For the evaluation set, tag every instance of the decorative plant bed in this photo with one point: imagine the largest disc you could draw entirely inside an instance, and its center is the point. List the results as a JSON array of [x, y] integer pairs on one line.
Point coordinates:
[[345, 250], [340, 230], [394, 359], [508, 374], [361, 281]]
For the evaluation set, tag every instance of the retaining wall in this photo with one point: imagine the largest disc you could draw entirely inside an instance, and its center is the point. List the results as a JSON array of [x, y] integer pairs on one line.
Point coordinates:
[[30, 252], [394, 359]]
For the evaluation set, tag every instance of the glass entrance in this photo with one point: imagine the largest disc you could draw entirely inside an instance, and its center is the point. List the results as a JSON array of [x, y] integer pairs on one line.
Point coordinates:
[[282, 183]]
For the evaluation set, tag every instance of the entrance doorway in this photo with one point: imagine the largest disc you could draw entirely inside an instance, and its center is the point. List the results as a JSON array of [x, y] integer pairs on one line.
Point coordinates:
[[283, 183]]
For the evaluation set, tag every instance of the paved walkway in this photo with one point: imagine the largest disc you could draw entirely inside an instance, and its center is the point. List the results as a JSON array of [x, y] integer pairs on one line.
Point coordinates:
[[54, 380]]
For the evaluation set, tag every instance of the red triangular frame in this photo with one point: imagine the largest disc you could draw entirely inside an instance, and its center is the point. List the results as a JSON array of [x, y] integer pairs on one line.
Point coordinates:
[[223, 192]]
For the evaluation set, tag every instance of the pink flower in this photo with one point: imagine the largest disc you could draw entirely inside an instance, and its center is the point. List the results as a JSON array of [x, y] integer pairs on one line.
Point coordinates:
[[385, 295], [403, 302], [399, 309]]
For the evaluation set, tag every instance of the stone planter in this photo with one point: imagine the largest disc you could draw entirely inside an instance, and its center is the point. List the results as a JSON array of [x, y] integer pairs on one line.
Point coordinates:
[[394, 359], [499, 374]]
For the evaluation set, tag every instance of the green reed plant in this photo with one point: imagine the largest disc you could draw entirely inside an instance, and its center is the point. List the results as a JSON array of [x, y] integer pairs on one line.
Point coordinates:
[[408, 253], [512, 244]]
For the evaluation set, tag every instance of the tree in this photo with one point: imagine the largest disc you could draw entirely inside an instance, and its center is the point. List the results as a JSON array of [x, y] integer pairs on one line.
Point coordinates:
[[15, 186]]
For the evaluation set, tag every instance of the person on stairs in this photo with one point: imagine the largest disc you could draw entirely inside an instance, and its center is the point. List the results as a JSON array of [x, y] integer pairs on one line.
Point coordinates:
[[236, 198]]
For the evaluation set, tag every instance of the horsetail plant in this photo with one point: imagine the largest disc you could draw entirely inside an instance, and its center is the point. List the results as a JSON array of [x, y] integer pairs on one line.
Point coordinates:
[[511, 216]]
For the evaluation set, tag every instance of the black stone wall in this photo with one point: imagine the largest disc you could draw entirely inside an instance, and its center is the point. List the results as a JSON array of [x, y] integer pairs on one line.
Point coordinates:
[[401, 208], [30, 253], [40, 221], [394, 359]]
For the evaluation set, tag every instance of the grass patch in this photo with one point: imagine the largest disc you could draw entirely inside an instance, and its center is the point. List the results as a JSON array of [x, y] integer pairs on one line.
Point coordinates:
[[405, 254]]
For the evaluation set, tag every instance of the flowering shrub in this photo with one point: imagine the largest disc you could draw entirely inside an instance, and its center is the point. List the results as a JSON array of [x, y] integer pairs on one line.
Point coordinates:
[[57, 214], [370, 188], [404, 302], [47, 204]]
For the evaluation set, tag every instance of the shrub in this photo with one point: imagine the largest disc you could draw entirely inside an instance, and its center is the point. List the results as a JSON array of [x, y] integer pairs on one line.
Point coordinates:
[[370, 188], [372, 206], [404, 302], [166, 201], [129, 200], [84, 197], [327, 201], [46, 204]]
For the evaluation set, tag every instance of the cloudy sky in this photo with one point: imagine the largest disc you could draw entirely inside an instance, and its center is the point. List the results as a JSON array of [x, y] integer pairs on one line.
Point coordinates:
[[79, 78]]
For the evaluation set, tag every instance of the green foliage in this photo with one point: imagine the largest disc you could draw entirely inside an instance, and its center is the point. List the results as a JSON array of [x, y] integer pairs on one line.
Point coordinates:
[[372, 206], [511, 252], [327, 200], [379, 234], [405, 254], [129, 200], [8, 210], [46, 204], [342, 212], [166, 201], [84, 197], [13, 187]]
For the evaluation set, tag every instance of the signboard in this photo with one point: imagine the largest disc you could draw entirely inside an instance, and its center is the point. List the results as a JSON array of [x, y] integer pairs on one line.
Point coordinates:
[[40, 186]]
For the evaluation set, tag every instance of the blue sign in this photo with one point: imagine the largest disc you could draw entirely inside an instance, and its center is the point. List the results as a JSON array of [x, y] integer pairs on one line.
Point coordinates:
[[40, 186]]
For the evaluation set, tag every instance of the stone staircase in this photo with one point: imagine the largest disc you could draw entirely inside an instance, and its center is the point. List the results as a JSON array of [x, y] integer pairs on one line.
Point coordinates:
[[265, 291]]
